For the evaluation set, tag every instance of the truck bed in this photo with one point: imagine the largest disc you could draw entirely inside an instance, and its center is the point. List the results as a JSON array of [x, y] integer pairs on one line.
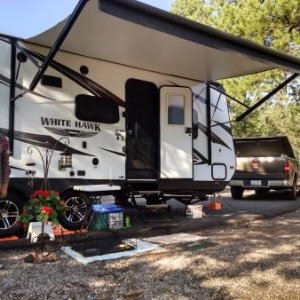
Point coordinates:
[[263, 164]]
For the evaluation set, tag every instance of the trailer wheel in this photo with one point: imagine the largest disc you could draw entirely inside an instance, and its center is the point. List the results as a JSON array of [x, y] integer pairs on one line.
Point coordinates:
[[77, 209], [236, 192], [292, 193], [10, 209]]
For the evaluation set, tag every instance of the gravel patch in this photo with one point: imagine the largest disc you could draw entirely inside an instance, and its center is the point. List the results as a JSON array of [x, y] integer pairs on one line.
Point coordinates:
[[256, 260]]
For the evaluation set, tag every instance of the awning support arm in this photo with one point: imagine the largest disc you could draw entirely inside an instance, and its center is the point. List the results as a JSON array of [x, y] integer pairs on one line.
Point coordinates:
[[267, 97], [228, 96], [63, 34]]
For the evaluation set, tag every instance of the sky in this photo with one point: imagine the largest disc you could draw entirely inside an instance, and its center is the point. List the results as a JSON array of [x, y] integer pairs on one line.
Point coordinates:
[[25, 18]]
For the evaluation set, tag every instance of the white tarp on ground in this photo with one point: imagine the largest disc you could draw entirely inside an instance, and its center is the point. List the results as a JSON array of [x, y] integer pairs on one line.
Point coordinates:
[[175, 238], [141, 246]]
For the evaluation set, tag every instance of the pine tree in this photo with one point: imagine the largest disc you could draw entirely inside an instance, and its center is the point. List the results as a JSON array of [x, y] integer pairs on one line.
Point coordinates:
[[272, 23]]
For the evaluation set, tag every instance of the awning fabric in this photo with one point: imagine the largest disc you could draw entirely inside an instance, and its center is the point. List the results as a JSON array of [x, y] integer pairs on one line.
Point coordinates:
[[135, 34]]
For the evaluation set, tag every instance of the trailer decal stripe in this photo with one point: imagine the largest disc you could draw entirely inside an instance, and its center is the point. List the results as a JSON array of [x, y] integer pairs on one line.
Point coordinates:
[[198, 158], [214, 138], [223, 126], [114, 152], [198, 97], [71, 132], [45, 141], [16, 168], [80, 79], [6, 81]]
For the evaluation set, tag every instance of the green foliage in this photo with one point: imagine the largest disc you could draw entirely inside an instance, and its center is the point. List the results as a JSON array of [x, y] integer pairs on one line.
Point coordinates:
[[43, 206], [273, 23]]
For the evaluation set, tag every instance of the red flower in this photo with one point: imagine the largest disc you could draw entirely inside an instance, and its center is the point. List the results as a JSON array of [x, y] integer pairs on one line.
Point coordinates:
[[46, 210], [46, 194], [43, 205], [42, 193]]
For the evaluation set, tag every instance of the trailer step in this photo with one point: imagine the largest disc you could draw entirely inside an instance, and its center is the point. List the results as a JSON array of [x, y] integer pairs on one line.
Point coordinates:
[[97, 188]]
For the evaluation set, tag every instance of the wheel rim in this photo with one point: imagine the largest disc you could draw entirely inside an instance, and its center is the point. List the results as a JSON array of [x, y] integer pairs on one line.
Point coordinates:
[[9, 213], [76, 210]]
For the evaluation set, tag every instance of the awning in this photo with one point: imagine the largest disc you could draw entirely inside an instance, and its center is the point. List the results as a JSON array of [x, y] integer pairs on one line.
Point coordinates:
[[135, 34]]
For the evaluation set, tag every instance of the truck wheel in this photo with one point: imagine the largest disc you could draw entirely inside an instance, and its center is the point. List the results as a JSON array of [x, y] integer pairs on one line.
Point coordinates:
[[236, 192], [77, 209], [10, 209], [292, 194]]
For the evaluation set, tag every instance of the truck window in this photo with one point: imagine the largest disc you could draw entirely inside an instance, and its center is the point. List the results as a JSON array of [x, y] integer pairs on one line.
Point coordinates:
[[261, 148]]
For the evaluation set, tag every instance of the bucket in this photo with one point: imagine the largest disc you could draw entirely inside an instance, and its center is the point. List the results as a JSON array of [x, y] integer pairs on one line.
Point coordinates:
[[215, 205], [194, 211]]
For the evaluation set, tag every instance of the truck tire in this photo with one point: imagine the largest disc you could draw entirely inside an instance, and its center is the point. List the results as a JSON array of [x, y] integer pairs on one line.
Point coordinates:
[[236, 192], [77, 210], [292, 194], [10, 209]]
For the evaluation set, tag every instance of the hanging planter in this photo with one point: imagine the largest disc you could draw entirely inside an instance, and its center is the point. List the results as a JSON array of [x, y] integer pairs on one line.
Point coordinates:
[[43, 206]]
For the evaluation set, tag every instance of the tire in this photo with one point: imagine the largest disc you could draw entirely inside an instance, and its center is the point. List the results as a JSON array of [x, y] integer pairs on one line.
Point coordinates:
[[10, 209], [292, 194], [236, 192], [78, 207]]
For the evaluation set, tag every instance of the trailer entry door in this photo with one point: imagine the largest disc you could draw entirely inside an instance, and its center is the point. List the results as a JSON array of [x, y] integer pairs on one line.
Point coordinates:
[[176, 158], [142, 128]]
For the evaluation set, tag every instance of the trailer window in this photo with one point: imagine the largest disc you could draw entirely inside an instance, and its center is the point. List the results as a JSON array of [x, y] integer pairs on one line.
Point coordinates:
[[175, 110], [96, 109]]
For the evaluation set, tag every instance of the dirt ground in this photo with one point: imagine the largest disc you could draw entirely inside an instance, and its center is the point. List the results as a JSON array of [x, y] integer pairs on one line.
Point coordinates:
[[257, 260]]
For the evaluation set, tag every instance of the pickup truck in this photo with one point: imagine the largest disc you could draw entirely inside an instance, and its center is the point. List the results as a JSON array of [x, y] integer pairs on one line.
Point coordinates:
[[263, 164]]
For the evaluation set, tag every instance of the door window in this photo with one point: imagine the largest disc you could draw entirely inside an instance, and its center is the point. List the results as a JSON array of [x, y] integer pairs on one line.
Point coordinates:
[[176, 110]]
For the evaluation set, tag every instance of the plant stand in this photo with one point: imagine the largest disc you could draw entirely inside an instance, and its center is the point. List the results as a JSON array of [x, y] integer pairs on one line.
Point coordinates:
[[41, 233]]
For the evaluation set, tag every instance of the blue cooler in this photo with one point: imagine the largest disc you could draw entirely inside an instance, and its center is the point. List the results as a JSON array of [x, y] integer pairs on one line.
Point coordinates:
[[106, 216]]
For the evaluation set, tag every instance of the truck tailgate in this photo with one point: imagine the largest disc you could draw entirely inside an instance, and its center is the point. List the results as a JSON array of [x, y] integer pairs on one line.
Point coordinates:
[[260, 168]]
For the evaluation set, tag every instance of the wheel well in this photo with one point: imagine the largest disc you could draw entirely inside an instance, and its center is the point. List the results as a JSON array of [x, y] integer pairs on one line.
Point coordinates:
[[21, 195], [68, 190]]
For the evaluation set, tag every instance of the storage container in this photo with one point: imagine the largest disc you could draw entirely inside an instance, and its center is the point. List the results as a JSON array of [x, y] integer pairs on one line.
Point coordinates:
[[106, 216], [194, 211]]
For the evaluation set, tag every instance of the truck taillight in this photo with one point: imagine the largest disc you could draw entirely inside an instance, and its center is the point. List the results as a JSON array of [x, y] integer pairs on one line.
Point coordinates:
[[287, 167], [255, 164]]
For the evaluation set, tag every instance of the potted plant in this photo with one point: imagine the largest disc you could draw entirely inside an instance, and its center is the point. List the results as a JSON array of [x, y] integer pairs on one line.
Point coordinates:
[[43, 206]]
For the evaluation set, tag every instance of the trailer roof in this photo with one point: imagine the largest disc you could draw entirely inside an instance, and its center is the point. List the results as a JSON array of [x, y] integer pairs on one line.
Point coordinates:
[[135, 34]]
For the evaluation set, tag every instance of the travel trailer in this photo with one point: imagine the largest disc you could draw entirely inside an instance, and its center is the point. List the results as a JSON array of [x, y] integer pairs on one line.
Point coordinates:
[[128, 91]]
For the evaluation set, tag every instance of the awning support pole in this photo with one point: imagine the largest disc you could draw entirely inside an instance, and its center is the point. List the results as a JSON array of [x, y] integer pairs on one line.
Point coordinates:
[[63, 34], [208, 125], [264, 99], [12, 94]]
